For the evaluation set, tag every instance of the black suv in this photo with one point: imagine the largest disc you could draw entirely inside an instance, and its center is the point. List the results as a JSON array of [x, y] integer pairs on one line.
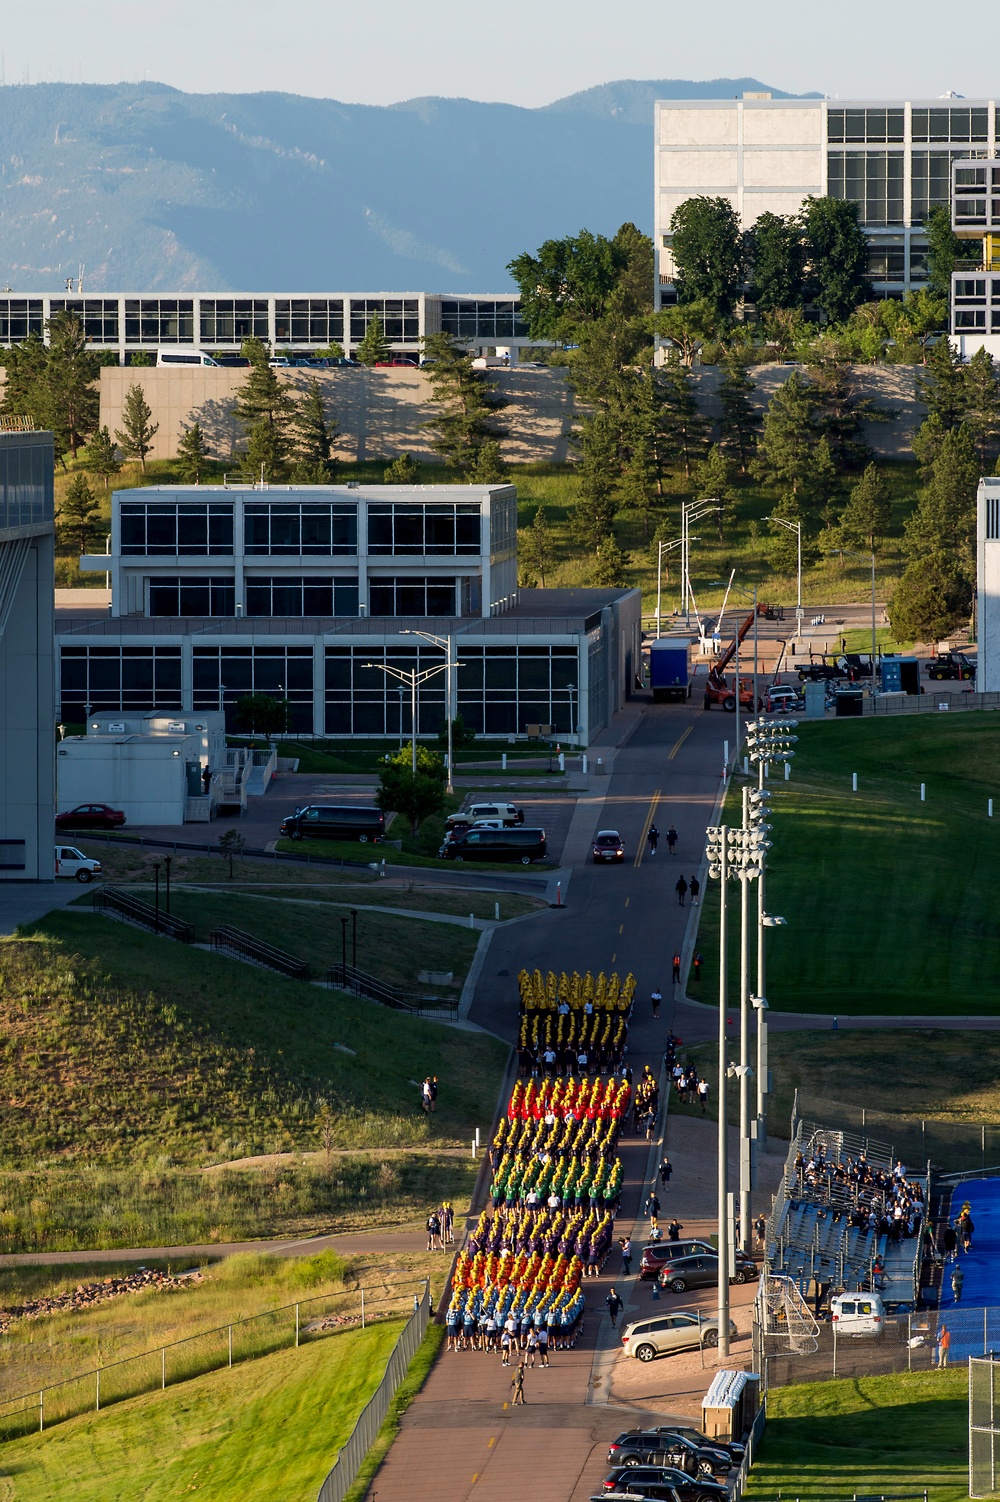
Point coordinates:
[[664, 1482], [666, 1447]]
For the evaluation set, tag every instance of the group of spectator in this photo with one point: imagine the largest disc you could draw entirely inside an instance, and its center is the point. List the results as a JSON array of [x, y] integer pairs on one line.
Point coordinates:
[[689, 1085], [881, 1200], [441, 1227]]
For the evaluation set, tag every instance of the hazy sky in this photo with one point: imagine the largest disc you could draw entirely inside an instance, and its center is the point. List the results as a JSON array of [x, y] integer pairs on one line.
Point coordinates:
[[527, 52]]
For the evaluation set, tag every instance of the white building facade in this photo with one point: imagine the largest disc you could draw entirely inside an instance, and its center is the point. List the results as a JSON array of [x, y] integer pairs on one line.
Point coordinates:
[[893, 158], [130, 322]]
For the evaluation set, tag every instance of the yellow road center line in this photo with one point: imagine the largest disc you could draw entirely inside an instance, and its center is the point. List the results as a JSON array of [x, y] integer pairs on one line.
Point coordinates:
[[621, 927], [476, 1476], [646, 828], [680, 742], [492, 1442], [613, 958], [627, 901]]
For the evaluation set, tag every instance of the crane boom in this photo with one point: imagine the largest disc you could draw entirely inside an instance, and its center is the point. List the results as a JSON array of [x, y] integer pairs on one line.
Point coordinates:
[[723, 662]]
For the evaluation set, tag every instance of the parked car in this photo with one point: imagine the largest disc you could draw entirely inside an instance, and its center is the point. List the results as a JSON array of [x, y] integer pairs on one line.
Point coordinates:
[[661, 1482], [507, 813], [733, 1448], [91, 816], [329, 821], [951, 665], [702, 1271], [73, 862], [523, 845], [663, 1334], [692, 1457], [655, 1256], [608, 846]]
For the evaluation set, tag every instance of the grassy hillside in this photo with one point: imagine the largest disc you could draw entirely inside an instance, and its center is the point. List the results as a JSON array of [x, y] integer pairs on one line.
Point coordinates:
[[890, 902], [871, 1435], [267, 1429]]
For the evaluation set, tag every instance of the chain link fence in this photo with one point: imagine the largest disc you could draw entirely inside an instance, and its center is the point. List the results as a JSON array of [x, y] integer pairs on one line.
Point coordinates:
[[225, 1346], [348, 1463], [984, 1427]]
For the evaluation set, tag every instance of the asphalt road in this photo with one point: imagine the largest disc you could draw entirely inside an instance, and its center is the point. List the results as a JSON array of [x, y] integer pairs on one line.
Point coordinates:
[[622, 917]]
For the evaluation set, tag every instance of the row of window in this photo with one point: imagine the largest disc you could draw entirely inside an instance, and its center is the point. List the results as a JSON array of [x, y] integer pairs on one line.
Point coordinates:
[[26, 485], [875, 180], [962, 123], [230, 320], [500, 690], [171, 595], [297, 528]]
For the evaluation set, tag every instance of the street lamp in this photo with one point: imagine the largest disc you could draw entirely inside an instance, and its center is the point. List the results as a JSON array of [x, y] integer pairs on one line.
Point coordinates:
[[445, 643], [413, 677], [691, 511], [717, 851], [866, 557], [795, 527], [661, 548], [749, 594]]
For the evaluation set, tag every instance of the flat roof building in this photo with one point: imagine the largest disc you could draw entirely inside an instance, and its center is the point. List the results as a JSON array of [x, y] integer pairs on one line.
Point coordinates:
[[891, 157], [129, 322], [295, 592]]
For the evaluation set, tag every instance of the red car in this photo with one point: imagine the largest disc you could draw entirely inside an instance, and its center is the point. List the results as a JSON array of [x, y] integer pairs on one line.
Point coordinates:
[[91, 816]]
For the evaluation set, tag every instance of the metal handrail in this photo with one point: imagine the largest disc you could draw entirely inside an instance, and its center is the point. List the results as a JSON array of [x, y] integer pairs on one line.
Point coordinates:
[[244, 946], [127, 908]]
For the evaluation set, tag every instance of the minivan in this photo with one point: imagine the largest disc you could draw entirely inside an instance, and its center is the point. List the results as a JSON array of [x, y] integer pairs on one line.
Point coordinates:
[[857, 1314], [328, 821], [184, 357], [524, 845], [507, 813]]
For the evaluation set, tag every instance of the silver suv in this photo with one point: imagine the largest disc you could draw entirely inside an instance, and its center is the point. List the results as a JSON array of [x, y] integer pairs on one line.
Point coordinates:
[[662, 1334]]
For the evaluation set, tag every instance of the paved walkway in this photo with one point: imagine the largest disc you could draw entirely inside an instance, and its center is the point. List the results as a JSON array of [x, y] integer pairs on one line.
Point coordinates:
[[348, 1244]]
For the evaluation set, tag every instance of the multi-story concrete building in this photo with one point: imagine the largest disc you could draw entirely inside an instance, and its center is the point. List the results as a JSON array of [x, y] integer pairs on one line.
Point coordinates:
[[988, 586], [27, 750], [975, 287], [296, 592], [891, 157], [129, 322]]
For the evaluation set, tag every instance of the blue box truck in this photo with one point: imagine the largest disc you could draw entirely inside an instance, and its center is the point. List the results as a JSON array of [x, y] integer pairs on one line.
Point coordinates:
[[669, 677]]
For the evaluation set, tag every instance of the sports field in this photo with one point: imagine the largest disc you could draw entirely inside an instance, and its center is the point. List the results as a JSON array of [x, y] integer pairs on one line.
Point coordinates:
[[890, 901]]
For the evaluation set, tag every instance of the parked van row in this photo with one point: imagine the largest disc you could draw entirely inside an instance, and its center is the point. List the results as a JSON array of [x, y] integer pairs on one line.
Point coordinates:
[[483, 832]]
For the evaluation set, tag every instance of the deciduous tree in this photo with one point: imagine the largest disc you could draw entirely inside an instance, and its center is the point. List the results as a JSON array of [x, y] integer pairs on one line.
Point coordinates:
[[933, 597], [415, 796], [777, 254], [708, 252], [944, 248], [837, 256]]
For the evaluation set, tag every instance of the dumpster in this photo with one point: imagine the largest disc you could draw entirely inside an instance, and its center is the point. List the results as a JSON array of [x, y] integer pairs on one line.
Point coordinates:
[[850, 701]]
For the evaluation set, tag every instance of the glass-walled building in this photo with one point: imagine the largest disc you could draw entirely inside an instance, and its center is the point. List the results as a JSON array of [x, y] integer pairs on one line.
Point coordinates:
[[893, 158], [306, 593], [290, 323]]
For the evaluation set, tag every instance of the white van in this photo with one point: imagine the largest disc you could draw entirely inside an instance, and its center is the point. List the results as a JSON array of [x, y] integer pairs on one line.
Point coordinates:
[[857, 1314], [73, 862], [184, 357]]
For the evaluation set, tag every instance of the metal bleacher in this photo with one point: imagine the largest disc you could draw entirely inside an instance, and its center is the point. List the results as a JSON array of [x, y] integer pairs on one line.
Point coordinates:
[[809, 1238]]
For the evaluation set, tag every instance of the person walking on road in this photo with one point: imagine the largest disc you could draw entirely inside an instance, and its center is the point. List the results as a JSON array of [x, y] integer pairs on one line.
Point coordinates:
[[674, 1230], [676, 962], [666, 1169], [652, 1206], [696, 965], [681, 890], [694, 886], [703, 1095], [957, 1284], [625, 1242], [657, 998], [434, 1243], [950, 1243], [943, 1345], [517, 1385], [671, 839], [654, 838], [614, 1304]]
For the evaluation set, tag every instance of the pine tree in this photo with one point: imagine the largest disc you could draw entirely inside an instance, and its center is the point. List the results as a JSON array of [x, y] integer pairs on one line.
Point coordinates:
[[739, 423], [535, 547], [713, 483], [266, 454], [866, 517], [941, 384], [639, 481], [684, 427], [791, 454], [192, 454], [24, 369], [78, 515], [595, 508], [315, 434], [982, 404], [71, 396], [610, 565], [136, 434], [102, 455], [374, 348], [466, 402], [265, 402], [404, 470], [944, 519], [488, 467], [931, 600]]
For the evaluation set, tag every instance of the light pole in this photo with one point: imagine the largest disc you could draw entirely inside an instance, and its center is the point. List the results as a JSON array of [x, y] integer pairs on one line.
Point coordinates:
[[413, 677], [750, 594], [691, 511], [661, 548], [445, 643], [795, 527], [717, 851]]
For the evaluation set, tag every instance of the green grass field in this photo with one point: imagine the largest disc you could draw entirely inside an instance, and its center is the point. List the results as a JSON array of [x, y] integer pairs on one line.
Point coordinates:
[[890, 902], [826, 1441], [390, 945], [270, 1428]]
